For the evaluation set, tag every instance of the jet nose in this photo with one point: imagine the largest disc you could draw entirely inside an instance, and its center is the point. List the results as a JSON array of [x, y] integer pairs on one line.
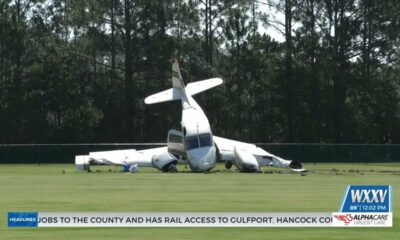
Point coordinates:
[[202, 159]]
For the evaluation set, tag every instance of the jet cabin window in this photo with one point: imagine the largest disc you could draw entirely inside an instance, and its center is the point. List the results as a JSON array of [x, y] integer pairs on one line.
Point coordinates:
[[175, 138], [197, 141]]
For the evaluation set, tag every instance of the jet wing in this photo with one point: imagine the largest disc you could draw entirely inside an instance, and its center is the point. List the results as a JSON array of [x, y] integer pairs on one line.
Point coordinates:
[[239, 152], [130, 157], [127, 157]]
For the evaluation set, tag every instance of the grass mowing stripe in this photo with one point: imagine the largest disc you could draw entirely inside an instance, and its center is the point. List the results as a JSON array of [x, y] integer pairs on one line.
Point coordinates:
[[61, 188]]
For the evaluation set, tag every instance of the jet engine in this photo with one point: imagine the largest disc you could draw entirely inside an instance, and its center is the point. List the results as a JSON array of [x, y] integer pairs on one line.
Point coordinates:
[[244, 161], [165, 162]]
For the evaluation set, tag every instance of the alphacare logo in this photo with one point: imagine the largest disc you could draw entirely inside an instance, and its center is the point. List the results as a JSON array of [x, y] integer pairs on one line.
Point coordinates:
[[367, 198], [346, 218]]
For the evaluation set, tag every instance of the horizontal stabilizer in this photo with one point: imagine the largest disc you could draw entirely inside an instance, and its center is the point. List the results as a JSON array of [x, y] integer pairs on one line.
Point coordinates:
[[165, 96], [201, 86]]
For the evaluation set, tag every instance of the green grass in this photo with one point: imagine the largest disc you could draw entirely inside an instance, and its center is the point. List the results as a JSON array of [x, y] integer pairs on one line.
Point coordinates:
[[46, 188]]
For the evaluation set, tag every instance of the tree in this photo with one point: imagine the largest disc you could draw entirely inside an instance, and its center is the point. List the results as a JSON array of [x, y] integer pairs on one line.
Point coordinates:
[[74, 71]]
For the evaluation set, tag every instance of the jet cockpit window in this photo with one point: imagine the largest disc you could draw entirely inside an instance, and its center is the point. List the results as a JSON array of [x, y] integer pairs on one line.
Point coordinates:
[[192, 142], [202, 140], [205, 140]]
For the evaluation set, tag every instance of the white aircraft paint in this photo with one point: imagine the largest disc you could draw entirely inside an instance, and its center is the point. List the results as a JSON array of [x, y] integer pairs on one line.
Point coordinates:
[[201, 150]]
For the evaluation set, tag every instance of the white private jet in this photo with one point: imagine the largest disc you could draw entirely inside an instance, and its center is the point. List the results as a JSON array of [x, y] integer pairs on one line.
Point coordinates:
[[194, 145]]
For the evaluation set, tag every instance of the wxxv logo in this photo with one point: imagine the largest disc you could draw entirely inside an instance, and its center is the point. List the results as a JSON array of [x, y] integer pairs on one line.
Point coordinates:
[[367, 199], [368, 196]]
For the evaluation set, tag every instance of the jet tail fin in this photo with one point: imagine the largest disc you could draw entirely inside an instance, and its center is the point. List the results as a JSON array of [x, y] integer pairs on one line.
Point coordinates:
[[177, 81], [174, 93]]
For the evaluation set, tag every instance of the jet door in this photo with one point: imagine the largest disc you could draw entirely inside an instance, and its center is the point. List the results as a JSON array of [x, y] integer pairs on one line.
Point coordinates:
[[175, 142]]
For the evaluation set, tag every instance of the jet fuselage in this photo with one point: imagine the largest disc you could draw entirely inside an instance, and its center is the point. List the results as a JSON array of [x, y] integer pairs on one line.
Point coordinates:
[[197, 135]]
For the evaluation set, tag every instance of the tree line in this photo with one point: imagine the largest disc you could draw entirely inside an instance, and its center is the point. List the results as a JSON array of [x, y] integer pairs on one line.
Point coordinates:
[[78, 70]]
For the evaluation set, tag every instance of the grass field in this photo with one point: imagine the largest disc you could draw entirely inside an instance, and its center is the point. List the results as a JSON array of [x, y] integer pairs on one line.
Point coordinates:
[[60, 188]]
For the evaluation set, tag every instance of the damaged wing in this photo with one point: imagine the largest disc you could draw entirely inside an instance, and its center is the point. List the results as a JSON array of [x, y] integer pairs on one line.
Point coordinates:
[[249, 157]]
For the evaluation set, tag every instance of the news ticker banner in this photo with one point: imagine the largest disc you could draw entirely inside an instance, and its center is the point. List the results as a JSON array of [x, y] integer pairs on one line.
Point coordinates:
[[191, 219], [362, 206]]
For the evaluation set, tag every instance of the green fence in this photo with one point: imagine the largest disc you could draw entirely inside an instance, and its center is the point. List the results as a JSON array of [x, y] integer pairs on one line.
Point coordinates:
[[311, 153], [57, 153], [315, 153]]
